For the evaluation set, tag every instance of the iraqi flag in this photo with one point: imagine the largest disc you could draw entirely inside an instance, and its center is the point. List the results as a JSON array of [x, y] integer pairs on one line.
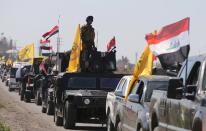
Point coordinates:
[[50, 33], [171, 43], [44, 41], [111, 44], [45, 47]]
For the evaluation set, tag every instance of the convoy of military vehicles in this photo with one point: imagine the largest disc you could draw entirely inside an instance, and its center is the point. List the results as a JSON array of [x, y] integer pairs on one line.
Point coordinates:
[[163, 101]]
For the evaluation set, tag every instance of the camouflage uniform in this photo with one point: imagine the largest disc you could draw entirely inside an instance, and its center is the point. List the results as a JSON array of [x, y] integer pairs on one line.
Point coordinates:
[[88, 46], [87, 36]]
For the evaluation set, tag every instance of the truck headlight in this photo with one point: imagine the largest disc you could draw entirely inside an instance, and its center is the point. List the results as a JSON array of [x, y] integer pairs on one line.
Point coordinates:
[[86, 101]]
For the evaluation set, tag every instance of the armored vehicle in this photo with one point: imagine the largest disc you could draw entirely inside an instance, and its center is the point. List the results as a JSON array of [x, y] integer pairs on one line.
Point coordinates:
[[28, 89], [44, 84], [41, 81], [47, 94], [81, 97]]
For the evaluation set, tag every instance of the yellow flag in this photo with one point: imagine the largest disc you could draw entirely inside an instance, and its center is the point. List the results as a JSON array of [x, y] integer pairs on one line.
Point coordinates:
[[142, 67], [74, 62], [27, 53]]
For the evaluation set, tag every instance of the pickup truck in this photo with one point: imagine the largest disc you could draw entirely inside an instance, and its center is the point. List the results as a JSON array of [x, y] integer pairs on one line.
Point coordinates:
[[114, 100], [182, 107], [132, 114], [81, 97]]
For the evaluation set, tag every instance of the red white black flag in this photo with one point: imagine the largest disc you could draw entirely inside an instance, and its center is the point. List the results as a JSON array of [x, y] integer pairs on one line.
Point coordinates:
[[171, 43], [44, 41], [112, 43], [45, 47], [50, 33]]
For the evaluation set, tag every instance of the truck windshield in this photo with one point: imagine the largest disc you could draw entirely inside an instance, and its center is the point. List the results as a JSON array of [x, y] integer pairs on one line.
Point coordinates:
[[13, 72], [109, 83], [155, 85], [82, 83]]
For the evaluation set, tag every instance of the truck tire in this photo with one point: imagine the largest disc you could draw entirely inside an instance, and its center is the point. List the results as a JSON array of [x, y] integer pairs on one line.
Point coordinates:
[[50, 108], [58, 119], [69, 116], [7, 83], [38, 100], [10, 89], [197, 125], [22, 95], [110, 125], [156, 129], [141, 129], [27, 97], [43, 109], [19, 91]]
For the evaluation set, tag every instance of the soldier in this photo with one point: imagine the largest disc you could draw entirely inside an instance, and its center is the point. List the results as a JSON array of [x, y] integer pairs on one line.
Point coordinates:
[[87, 36]]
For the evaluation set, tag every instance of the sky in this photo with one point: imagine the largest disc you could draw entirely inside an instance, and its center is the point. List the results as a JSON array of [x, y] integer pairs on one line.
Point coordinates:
[[128, 20]]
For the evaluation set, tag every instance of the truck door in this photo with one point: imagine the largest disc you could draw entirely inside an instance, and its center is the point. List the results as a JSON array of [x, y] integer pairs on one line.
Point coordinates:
[[131, 109], [184, 108], [119, 99], [163, 112], [187, 107]]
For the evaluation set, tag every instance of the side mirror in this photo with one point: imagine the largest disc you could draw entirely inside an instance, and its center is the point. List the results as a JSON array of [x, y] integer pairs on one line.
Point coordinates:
[[119, 93], [134, 98], [190, 92], [175, 90]]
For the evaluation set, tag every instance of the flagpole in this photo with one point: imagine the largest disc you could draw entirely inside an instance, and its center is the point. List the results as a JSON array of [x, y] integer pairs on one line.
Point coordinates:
[[185, 87], [40, 51], [58, 43], [58, 39]]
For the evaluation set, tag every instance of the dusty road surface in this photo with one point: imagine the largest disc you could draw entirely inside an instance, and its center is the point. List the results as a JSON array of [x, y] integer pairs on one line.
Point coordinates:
[[21, 116]]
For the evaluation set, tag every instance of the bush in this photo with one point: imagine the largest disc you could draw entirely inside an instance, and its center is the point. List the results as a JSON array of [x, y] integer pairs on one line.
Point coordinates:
[[4, 127]]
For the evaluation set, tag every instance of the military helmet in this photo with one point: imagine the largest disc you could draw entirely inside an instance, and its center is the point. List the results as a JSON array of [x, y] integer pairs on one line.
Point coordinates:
[[89, 18]]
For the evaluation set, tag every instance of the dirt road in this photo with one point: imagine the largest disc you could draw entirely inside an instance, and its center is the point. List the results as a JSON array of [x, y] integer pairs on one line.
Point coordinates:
[[21, 116]]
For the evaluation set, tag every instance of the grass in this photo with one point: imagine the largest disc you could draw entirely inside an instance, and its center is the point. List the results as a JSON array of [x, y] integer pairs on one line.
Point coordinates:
[[4, 127]]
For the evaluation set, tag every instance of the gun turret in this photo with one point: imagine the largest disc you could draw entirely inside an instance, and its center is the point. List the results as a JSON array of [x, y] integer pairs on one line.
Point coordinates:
[[101, 62]]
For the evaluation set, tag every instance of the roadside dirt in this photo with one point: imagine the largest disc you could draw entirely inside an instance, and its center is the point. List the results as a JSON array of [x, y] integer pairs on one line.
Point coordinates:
[[21, 116]]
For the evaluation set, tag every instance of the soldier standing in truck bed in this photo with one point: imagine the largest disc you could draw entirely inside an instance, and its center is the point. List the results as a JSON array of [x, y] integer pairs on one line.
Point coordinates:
[[88, 46]]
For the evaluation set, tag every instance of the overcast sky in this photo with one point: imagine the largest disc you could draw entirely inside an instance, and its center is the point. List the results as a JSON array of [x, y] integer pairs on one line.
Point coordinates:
[[128, 20]]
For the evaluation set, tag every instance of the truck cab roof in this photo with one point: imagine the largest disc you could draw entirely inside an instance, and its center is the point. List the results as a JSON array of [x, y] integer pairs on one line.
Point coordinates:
[[155, 78]]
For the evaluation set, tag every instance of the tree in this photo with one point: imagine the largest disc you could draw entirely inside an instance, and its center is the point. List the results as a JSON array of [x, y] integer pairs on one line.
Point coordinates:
[[124, 65]]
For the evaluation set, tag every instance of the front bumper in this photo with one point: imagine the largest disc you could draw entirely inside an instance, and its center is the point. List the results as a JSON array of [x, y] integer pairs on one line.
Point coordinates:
[[92, 111], [13, 85]]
